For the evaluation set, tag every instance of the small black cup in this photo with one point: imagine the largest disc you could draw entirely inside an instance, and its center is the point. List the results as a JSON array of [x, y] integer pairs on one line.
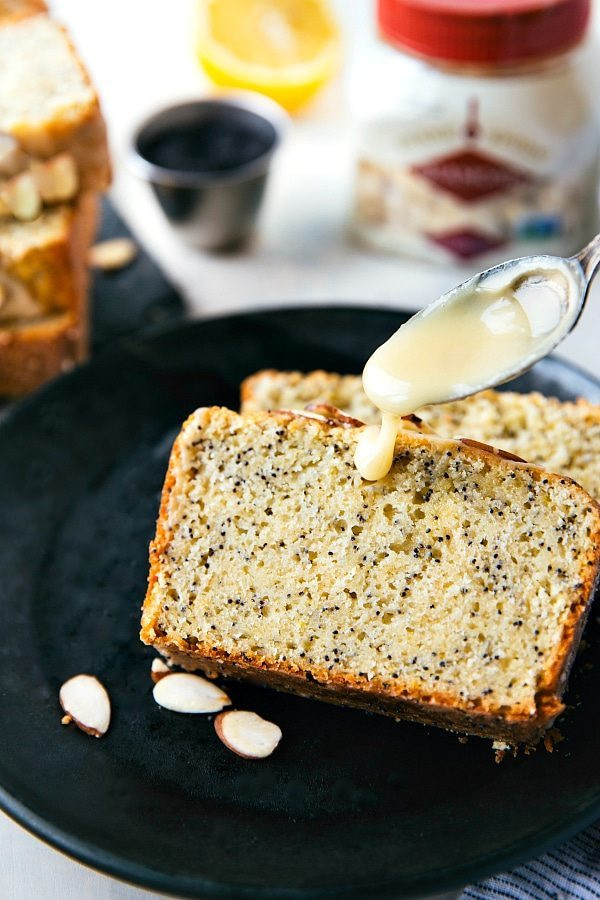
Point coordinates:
[[207, 162]]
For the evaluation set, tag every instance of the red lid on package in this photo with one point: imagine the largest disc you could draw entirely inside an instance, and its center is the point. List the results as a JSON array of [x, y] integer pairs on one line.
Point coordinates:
[[497, 32]]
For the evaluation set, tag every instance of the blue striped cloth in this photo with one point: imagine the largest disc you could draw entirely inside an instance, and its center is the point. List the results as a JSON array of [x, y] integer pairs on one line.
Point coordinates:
[[572, 870]]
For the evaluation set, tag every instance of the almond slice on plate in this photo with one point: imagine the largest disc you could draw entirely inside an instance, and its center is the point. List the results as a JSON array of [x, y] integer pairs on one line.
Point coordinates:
[[247, 734], [158, 670], [86, 703], [186, 693], [115, 253]]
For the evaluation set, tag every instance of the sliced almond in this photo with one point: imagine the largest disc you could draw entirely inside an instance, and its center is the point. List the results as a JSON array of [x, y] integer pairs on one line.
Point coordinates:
[[113, 254], [332, 415], [16, 302], [56, 178], [158, 670], [306, 414], [417, 423], [186, 693], [12, 158], [487, 448], [247, 734], [86, 703], [21, 196]]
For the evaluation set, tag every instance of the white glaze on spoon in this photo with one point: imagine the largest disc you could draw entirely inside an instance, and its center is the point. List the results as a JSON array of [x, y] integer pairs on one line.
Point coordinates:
[[480, 334]]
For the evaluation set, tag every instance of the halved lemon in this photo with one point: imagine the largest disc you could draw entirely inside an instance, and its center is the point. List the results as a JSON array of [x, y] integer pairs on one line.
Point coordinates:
[[287, 49]]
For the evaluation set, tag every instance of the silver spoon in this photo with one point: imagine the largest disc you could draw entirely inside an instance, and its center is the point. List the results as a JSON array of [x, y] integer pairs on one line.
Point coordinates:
[[548, 291], [482, 333]]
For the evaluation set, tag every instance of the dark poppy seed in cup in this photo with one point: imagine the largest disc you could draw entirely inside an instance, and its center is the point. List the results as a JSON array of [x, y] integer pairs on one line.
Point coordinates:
[[220, 141], [207, 162]]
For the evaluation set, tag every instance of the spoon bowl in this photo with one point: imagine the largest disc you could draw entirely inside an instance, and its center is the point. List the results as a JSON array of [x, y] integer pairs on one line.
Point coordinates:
[[523, 309], [551, 291], [580, 270], [486, 331]]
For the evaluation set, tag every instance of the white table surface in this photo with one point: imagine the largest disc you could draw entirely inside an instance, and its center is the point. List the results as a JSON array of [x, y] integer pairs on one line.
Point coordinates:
[[140, 53]]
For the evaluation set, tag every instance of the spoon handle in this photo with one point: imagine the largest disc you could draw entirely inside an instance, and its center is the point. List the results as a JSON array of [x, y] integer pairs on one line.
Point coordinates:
[[589, 258]]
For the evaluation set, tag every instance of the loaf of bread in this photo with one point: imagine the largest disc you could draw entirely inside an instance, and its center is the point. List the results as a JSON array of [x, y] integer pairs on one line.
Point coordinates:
[[561, 436], [53, 134], [43, 294], [452, 592], [53, 163]]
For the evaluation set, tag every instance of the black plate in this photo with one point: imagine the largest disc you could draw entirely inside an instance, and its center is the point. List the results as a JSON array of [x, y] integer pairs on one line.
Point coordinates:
[[350, 805]]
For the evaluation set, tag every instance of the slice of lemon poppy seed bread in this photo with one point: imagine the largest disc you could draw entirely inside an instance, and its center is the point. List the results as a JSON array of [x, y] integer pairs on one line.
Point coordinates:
[[452, 592], [561, 436]]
